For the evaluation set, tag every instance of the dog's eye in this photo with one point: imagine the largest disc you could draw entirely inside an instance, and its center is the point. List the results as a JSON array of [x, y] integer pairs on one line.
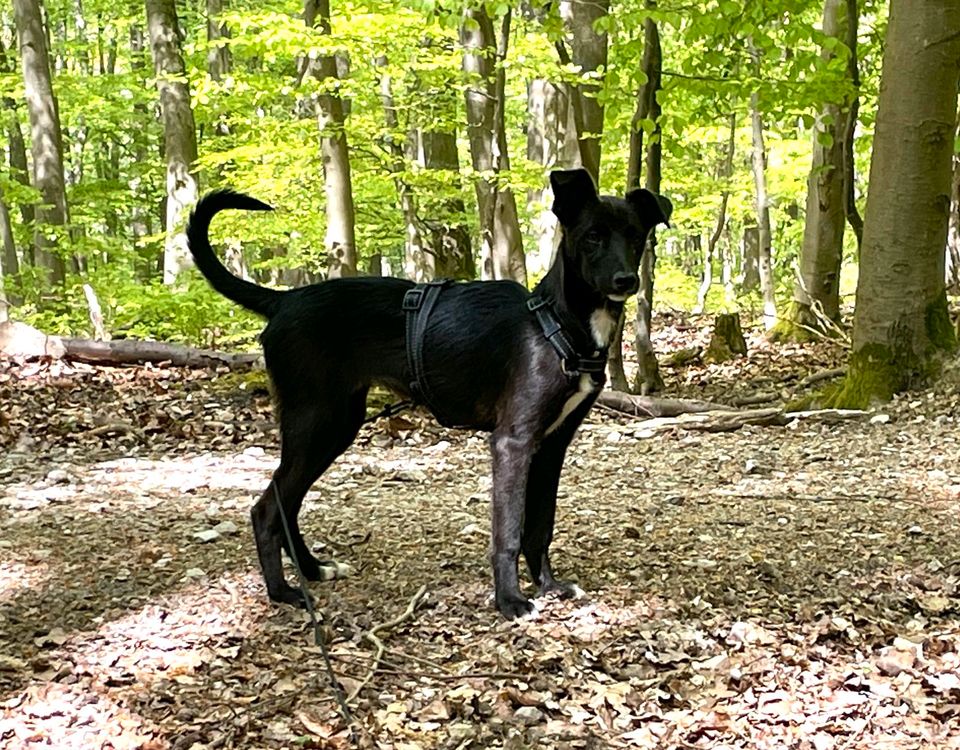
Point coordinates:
[[594, 237]]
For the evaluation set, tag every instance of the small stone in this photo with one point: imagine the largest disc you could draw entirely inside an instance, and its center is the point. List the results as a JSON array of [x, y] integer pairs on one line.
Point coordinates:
[[207, 535], [613, 437], [226, 528], [58, 476], [528, 715], [195, 573], [879, 419]]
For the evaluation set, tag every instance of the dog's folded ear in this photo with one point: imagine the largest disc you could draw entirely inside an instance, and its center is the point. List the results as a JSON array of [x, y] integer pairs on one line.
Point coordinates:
[[573, 190], [653, 209]]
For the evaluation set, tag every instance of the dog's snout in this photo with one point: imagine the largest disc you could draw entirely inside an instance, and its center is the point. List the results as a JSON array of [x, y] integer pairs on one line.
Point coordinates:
[[625, 283]]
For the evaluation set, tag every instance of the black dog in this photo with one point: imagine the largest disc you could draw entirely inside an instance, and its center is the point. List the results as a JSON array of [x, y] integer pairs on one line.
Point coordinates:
[[492, 357]]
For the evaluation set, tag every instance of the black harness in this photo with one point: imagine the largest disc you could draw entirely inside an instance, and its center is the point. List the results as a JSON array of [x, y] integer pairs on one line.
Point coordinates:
[[419, 302], [572, 363]]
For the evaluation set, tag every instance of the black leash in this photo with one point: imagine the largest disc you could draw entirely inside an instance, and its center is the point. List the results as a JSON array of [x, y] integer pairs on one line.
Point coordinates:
[[390, 410], [308, 605]]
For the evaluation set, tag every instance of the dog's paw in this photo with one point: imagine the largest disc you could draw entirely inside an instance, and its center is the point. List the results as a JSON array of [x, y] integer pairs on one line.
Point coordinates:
[[563, 589], [513, 606], [331, 570], [287, 594]]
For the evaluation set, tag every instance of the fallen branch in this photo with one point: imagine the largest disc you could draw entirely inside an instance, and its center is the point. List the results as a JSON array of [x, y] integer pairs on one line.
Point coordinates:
[[131, 351], [647, 406], [755, 398], [728, 421], [816, 377], [371, 635], [111, 427]]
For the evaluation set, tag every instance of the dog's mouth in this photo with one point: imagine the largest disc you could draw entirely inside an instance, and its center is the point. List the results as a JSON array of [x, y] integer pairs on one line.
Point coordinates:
[[617, 297]]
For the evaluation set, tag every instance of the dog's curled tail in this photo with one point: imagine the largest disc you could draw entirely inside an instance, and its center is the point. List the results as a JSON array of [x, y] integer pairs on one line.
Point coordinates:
[[255, 298]]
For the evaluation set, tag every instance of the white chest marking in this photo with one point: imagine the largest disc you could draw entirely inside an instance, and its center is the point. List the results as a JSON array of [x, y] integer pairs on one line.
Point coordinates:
[[587, 387], [602, 324]]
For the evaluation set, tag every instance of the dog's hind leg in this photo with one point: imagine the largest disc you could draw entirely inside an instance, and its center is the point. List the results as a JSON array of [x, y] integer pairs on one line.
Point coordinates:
[[312, 438]]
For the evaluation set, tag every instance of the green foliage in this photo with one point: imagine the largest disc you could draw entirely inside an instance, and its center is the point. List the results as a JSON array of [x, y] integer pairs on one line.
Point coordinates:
[[258, 133]]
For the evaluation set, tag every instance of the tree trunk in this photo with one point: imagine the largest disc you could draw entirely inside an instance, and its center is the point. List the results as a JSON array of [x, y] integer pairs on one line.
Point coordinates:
[[648, 379], [648, 375], [8, 260], [750, 270], [341, 243], [16, 147], [501, 248], [589, 54], [817, 292], [901, 324], [419, 264], [552, 143], [179, 132], [852, 113], [218, 54], [446, 226], [726, 171], [45, 135], [952, 274], [759, 166]]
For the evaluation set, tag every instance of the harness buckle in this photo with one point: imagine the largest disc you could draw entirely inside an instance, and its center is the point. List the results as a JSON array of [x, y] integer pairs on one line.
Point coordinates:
[[413, 299], [536, 303]]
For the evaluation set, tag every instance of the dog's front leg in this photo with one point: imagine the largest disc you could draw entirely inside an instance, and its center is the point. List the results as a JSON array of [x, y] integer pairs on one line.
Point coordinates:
[[511, 464], [541, 507]]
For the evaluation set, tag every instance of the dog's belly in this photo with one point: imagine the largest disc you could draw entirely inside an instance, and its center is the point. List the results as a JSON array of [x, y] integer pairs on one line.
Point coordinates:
[[585, 389]]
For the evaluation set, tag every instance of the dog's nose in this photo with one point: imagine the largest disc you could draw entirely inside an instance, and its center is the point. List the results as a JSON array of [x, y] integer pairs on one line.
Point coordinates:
[[625, 283]]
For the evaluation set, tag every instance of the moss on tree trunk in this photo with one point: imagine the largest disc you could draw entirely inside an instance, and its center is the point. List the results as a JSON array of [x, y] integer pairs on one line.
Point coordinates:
[[877, 371]]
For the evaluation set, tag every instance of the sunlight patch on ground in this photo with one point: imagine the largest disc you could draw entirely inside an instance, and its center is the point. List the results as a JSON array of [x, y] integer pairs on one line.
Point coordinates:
[[119, 665], [16, 577]]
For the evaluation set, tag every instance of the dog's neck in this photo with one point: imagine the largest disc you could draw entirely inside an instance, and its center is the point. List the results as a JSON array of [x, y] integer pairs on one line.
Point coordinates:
[[588, 316]]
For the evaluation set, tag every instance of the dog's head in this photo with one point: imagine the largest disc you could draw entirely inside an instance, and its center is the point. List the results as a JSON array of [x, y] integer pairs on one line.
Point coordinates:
[[605, 236]]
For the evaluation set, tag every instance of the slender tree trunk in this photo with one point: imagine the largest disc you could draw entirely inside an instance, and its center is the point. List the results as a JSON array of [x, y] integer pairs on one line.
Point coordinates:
[[9, 267], [849, 133], [901, 324], [218, 54], [433, 146], [446, 223], [952, 273], [419, 264], [726, 171], [179, 133], [759, 165], [501, 248], [648, 379], [341, 243], [589, 53], [46, 139], [551, 142], [817, 291], [750, 274]]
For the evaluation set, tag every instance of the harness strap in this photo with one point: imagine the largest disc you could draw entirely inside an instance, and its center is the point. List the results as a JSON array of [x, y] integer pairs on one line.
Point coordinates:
[[418, 303], [594, 365]]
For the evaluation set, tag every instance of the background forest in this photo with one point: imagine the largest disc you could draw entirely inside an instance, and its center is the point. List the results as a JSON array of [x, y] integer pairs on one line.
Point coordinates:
[[415, 140]]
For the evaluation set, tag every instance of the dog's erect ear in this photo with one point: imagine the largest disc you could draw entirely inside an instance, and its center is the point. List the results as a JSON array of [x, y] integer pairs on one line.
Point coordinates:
[[573, 190], [653, 209]]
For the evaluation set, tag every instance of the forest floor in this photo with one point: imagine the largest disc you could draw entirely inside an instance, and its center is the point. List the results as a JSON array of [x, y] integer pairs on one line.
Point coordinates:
[[771, 587]]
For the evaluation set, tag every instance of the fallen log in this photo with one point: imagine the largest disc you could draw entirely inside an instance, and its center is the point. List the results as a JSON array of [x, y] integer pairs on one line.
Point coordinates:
[[648, 406], [728, 421], [131, 351]]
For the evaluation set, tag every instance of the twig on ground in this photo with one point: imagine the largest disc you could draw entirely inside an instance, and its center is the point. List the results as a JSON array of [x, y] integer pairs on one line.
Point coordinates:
[[106, 429], [816, 377], [371, 636]]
